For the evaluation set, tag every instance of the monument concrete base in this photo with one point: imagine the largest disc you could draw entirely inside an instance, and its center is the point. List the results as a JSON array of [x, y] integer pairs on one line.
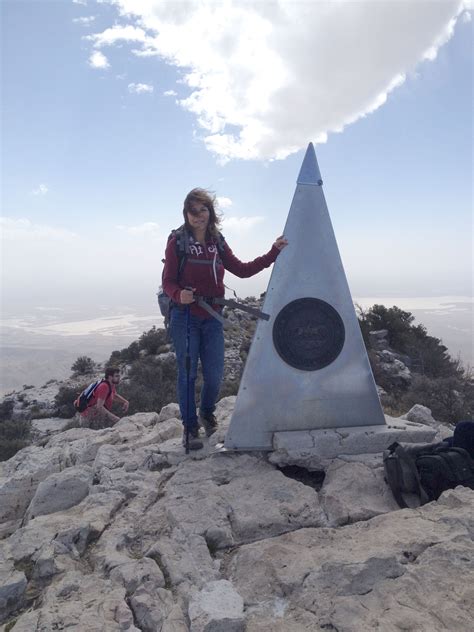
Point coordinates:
[[315, 449]]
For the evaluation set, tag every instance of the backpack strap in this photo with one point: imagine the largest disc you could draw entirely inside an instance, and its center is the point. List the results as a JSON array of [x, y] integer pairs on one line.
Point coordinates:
[[394, 475]]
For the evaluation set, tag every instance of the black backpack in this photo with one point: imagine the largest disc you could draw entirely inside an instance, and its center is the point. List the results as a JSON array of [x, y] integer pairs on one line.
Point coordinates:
[[182, 252], [82, 402], [418, 474]]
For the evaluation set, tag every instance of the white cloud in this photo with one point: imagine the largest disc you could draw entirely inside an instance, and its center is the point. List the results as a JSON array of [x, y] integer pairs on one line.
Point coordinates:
[[98, 60], [23, 229], [85, 21], [83, 2], [119, 33], [170, 93], [267, 77], [240, 225], [149, 229], [140, 88], [41, 190], [224, 202]]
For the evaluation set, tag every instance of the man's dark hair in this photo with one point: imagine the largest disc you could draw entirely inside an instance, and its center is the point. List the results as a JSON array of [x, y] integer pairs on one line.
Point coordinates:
[[110, 371]]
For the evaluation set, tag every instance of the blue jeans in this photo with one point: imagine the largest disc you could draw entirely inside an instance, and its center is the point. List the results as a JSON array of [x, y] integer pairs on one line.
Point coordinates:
[[206, 341]]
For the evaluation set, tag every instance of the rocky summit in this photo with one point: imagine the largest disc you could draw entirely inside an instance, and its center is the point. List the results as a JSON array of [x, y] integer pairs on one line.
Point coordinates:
[[119, 530]]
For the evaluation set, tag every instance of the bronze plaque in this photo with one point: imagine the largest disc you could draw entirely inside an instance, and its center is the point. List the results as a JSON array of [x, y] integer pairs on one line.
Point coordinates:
[[308, 334]]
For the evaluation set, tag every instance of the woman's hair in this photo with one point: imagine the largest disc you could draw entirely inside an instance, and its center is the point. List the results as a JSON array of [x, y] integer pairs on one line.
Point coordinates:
[[208, 199]]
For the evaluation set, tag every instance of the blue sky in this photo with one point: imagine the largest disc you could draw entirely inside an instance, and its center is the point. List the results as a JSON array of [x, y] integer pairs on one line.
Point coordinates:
[[96, 161]]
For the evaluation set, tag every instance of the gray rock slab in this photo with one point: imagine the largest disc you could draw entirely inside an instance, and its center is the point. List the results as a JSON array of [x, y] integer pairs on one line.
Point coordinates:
[[217, 608], [151, 607], [60, 491], [385, 573], [84, 450], [21, 476], [169, 411], [12, 589], [137, 573], [144, 419], [184, 558], [315, 448], [80, 602], [422, 415], [231, 499], [69, 531], [355, 491], [161, 432], [48, 426]]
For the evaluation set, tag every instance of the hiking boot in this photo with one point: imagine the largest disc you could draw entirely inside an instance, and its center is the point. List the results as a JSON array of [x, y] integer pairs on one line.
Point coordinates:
[[194, 442], [209, 423]]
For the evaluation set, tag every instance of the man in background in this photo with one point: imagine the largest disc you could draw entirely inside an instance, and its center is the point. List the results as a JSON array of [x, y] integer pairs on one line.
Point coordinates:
[[98, 413]]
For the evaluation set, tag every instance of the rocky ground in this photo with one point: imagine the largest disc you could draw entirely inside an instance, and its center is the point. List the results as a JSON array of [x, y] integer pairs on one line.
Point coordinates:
[[118, 529]]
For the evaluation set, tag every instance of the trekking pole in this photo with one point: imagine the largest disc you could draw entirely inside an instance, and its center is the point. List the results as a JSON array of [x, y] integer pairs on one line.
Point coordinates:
[[188, 372]]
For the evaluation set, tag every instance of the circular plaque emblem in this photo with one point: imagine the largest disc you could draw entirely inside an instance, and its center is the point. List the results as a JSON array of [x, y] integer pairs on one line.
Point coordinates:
[[308, 334]]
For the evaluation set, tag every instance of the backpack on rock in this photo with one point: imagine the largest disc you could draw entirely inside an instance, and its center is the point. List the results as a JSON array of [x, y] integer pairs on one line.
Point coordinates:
[[418, 474]]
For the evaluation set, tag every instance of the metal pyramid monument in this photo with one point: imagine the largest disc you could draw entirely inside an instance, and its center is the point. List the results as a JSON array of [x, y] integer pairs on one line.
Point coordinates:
[[307, 367]]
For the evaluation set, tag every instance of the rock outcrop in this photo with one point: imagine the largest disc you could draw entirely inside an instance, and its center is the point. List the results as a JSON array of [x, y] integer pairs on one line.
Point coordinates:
[[118, 529]]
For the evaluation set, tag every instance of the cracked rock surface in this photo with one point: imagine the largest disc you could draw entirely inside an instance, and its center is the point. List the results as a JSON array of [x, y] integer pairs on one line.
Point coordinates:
[[119, 530]]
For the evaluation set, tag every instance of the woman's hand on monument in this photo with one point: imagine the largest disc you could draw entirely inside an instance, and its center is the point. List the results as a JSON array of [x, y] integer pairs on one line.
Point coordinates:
[[281, 242]]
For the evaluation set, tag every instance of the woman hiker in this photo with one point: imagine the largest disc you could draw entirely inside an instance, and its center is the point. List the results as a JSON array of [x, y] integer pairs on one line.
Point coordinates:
[[195, 332]]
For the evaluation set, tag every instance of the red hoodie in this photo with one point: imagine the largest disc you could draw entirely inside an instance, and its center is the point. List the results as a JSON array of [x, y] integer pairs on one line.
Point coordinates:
[[207, 278]]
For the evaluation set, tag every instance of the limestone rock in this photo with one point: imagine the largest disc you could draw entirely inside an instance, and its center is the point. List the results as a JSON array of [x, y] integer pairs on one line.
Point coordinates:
[[355, 491], [217, 608], [21, 475], [80, 602], [378, 339], [134, 574], [315, 449], [185, 559], [60, 491], [245, 503], [45, 427], [420, 415], [163, 540], [12, 589], [151, 607], [143, 419], [371, 575], [170, 411], [393, 368]]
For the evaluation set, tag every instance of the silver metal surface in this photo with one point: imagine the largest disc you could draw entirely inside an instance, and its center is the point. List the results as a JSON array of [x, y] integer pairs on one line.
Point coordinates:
[[274, 396]]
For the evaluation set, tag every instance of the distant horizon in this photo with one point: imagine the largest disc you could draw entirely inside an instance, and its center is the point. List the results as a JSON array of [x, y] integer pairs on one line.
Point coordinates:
[[446, 317]]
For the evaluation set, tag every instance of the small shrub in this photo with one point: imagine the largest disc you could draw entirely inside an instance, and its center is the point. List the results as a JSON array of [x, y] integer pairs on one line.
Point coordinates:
[[83, 366], [14, 436], [152, 340], [6, 409], [229, 387], [27, 386], [64, 400], [127, 355]]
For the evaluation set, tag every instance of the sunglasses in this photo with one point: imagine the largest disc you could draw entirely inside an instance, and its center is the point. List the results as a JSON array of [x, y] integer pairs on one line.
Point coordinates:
[[196, 212]]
